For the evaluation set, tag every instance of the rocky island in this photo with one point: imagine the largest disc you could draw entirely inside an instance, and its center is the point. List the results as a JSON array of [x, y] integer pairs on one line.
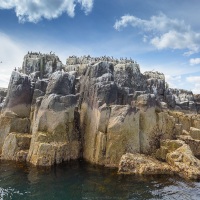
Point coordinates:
[[103, 110]]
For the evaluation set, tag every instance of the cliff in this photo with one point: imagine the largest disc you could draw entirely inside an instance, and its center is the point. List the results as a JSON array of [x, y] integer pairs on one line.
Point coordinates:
[[103, 110]]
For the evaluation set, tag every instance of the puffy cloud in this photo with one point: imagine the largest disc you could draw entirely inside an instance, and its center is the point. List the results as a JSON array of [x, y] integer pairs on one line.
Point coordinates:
[[87, 5], [164, 32], [160, 23], [35, 10], [194, 61]]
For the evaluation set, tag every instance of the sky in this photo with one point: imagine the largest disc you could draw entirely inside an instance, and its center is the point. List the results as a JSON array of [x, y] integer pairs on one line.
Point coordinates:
[[161, 35]]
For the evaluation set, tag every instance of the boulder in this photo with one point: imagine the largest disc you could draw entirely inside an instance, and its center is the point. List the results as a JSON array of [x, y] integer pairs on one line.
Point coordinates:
[[193, 144], [179, 155], [48, 154], [10, 123], [143, 165], [195, 133], [16, 146]]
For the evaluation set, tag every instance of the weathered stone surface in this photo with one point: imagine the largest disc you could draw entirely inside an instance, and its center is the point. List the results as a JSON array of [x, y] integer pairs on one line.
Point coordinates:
[[179, 155], [109, 132], [183, 158], [16, 147], [3, 93], [55, 120], [146, 100], [45, 64], [9, 123], [41, 85], [129, 76], [97, 85], [155, 82], [19, 96], [195, 121], [55, 135], [180, 99], [193, 144], [142, 164], [61, 83], [167, 146], [47, 154], [195, 133], [122, 133], [197, 101], [181, 118]]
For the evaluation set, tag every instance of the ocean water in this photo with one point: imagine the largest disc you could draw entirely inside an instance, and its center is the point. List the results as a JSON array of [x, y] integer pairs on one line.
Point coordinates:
[[80, 180]]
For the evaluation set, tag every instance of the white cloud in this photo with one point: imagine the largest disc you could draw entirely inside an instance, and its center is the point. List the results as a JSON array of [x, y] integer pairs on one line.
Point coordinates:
[[35, 10], [11, 56], [172, 78], [160, 23], [196, 89], [164, 32], [194, 61], [86, 5], [173, 81], [195, 80]]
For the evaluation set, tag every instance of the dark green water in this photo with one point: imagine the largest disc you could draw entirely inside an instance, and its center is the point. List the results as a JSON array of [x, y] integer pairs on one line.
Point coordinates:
[[79, 180]]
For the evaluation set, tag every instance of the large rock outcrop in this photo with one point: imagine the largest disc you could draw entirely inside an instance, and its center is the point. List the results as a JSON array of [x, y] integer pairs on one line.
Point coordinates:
[[103, 110], [54, 130]]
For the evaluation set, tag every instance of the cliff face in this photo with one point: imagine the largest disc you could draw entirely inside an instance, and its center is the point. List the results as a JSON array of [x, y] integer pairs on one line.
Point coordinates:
[[101, 109]]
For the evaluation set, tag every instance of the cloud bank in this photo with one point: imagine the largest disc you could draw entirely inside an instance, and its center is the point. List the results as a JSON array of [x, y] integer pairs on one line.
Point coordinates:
[[35, 10], [164, 32]]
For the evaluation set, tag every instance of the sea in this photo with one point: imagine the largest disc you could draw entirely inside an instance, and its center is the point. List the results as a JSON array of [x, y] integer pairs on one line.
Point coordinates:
[[80, 180]]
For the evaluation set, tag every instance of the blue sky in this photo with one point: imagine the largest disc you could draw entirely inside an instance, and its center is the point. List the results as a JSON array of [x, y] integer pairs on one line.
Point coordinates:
[[161, 35]]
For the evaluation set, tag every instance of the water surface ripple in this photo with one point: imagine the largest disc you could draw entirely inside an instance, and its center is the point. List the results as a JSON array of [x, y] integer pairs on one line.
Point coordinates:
[[80, 180]]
